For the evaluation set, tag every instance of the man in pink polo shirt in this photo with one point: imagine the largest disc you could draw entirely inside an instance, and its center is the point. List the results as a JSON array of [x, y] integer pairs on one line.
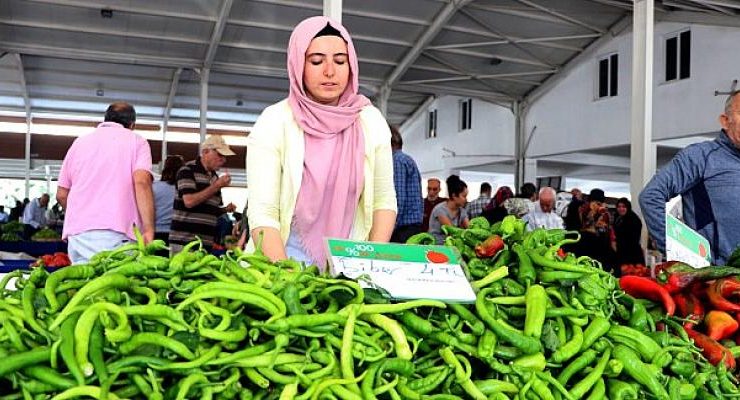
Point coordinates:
[[105, 186]]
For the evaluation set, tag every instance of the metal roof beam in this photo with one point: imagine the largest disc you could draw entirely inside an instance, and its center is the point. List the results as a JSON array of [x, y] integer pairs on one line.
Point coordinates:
[[518, 40], [562, 16], [172, 94], [684, 6], [357, 13], [615, 3], [488, 56], [489, 96], [24, 87], [218, 31], [98, 31], [521, 12], [489, 28], [721, 3], [462, 71], [485, 76], [429, 34], [714, 6], [701, 18], [127, 8], [355, 37]]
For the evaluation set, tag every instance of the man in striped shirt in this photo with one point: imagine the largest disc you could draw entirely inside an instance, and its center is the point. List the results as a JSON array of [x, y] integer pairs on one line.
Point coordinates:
[[198, 201]]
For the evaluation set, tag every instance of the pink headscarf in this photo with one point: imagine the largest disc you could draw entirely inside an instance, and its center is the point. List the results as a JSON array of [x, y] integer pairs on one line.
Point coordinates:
[[333, 168]]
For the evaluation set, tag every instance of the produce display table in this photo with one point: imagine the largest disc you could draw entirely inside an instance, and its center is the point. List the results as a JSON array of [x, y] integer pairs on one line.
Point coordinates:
[[34, 248]]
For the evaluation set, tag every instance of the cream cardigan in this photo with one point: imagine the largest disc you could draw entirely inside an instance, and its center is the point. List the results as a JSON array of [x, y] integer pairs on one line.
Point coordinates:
[[275, 154]]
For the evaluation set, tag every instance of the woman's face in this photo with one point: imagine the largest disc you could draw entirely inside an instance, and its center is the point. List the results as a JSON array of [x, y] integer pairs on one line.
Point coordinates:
[[326, 70], [621, 209], [461, 199]]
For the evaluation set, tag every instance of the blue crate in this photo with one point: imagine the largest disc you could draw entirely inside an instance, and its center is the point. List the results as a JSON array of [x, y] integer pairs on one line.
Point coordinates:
[[12, 265]]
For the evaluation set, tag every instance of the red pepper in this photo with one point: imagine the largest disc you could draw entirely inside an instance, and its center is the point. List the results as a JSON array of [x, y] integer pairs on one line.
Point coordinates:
[[689, 307], [646, 288], [714, 294], [676, 276], [562, 254], [730, 287], [712, 349], [720, 325], [490, 247]]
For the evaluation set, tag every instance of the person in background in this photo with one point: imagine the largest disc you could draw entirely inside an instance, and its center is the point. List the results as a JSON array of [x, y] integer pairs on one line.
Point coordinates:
[[34, 216], [627, 232], [407, 182], [3, 215], [495, 210], [242, 228], [105, 186], [596, 230], [319, 163], [16, 212], [572, 217], [55, 218], [198, 202], [475, 207], [706, 175], [452, 212], [434, 186], [523, 203], [164, 197], [544, 215]]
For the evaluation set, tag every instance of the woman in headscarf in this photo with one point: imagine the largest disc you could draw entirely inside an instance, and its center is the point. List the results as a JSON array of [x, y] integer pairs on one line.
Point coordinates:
[[596, 231], [319, 163], [627, 229], [495, 210]]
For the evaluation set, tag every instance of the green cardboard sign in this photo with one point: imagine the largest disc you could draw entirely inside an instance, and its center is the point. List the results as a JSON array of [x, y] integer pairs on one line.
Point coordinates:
[[404, 271], [685, 244]]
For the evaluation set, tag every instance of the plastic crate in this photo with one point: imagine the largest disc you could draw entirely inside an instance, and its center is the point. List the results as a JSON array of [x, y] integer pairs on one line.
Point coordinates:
[[12, 265]]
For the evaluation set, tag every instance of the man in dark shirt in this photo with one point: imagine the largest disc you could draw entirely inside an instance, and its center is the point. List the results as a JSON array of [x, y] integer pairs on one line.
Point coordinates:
[[198, 201], [407, 181], [432, 199]]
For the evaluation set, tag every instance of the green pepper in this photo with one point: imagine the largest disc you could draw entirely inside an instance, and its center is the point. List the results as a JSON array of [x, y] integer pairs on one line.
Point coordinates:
[[620, 390], [528, 345], [639, 371], [423, 238], [526, 273], [570, 348], [479, 223], [536, 304]]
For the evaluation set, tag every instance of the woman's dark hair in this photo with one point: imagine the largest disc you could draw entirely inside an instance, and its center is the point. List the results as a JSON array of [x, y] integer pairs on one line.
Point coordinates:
[[329, 31], [122, 113], [527, 190], [171, 165], [626, 203], [455, 185]]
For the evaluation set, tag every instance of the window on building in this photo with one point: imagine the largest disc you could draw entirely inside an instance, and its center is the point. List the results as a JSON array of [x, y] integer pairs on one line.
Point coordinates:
[[466, 114], [608, 82], [432, 124], [678, 56]]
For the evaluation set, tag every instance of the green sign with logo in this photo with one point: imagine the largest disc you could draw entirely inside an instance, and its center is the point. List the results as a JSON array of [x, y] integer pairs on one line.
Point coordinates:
[[403, 271], [685, 244]]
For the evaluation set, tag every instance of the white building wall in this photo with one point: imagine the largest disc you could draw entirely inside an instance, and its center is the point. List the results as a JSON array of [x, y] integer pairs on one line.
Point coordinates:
[[491, 138], [570, 118]]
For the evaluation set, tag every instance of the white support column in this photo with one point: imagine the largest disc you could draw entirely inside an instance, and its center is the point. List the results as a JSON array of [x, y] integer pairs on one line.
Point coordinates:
[[530, 171], [27, 108], [520, 167], [204, 73], [383, 96], [167, 111], [333, 9], [27, 162], [642, 149]]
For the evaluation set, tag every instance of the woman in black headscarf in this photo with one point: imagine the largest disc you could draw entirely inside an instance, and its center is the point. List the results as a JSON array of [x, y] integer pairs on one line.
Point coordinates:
[[627, 229]]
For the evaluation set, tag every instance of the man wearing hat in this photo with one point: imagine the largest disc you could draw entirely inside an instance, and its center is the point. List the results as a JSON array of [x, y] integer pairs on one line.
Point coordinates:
[[198, 201]]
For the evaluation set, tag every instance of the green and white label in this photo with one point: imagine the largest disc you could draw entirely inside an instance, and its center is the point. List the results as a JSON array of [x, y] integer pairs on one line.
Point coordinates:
[[685, 244], [404, 271]]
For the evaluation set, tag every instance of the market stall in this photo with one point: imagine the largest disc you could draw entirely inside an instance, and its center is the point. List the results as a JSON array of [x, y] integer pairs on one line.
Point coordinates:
[[545, 324]]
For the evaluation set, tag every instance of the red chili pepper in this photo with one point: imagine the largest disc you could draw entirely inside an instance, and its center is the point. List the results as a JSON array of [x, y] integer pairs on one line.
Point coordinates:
[[490, 247], [562, 254], [720, 325], [646, 288], [730, 287], [712, 350], [714, 294]]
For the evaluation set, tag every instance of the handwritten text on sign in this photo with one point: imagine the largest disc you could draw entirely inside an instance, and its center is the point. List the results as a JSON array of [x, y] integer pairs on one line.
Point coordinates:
[[404, 271]]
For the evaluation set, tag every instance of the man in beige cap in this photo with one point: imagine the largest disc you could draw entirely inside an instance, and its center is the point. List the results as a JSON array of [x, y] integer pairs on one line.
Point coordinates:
[[198, 201]]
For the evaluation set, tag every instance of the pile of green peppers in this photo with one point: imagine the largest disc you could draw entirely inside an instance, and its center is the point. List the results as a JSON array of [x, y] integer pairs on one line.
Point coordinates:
[[545, 325]]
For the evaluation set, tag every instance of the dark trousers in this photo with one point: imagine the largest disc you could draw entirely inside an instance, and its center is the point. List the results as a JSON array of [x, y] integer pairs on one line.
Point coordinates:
[[402, 233], [28, 231]]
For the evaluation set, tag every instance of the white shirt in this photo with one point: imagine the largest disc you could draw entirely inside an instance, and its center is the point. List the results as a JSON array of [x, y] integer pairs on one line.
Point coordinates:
[[539, 219], [34, 214]]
